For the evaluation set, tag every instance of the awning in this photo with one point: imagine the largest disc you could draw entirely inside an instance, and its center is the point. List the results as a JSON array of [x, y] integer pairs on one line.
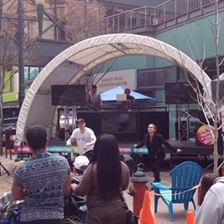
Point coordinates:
[[111, 95]]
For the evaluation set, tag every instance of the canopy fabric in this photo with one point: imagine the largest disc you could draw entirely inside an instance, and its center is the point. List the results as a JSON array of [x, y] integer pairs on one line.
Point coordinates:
[[79, 59], [111, 95]]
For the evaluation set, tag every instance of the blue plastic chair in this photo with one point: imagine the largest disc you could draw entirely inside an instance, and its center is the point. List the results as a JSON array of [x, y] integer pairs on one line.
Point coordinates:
[[184, 177]]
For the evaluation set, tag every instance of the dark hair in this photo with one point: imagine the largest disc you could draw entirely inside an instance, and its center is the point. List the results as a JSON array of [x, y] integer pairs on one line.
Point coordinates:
[[80, 120], [207, 181], [36, 137], [107, 157], [155, 127], [94, 87]]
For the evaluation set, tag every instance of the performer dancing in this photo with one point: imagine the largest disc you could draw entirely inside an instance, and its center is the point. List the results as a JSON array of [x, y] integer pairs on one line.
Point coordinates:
[[154, 143]]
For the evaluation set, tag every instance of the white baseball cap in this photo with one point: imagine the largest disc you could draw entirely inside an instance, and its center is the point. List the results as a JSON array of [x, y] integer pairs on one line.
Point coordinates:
[[80, 162]]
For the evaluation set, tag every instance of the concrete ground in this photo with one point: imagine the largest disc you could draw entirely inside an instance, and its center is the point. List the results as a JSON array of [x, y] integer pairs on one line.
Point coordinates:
[[161, 216]]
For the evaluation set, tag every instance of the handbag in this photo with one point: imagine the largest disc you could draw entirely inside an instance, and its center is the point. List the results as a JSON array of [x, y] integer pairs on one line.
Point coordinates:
[[130, 217]]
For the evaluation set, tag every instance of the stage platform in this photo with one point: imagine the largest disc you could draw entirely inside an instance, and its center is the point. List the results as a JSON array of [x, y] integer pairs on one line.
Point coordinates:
[[190, 151], [190, 148]]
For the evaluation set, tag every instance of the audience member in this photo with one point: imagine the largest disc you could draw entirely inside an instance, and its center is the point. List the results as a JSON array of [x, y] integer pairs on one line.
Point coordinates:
[[80, 165], [84, 137], [42, 182], [103, 182], [211, 210], [207, 181]]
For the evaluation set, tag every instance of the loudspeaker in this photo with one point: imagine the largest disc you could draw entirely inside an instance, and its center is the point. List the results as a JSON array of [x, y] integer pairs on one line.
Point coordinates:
[[68, 95], [179, 93]]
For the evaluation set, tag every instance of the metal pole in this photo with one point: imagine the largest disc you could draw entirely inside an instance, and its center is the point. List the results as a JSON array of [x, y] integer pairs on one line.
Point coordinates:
[[56, 16], [40, 15], [21, 51], [1, 12]]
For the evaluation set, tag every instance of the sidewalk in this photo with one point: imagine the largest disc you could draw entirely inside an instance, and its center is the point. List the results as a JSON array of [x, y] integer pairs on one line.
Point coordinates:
[[161, 216]]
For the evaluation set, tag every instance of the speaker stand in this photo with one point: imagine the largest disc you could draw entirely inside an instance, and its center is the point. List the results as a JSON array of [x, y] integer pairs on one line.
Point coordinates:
[[4, 168]]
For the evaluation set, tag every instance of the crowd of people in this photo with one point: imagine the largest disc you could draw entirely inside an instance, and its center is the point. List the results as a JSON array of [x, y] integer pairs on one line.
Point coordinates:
[[45, 179]]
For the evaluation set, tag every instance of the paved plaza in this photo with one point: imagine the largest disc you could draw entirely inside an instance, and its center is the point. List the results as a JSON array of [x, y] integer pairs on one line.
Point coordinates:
[[161, 216]]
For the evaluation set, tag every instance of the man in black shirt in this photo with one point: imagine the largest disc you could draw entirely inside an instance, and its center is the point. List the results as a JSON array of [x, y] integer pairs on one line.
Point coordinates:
[[129, 97]]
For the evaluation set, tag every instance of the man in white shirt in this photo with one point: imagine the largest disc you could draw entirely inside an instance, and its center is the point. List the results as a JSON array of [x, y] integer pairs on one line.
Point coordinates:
[[84, 138]]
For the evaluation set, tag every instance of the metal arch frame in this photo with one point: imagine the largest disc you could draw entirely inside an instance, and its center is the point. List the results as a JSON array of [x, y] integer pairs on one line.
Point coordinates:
[[143, 45]]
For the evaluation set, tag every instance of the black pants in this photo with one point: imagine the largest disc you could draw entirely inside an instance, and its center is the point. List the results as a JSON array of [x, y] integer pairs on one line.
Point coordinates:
[[44, 221], [154, 163]]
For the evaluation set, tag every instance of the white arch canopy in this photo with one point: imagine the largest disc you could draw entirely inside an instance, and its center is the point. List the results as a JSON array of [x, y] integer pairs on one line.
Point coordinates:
[[68, 66]]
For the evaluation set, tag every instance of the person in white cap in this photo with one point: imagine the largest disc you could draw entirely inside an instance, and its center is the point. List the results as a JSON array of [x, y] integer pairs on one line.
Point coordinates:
[[80, 164]]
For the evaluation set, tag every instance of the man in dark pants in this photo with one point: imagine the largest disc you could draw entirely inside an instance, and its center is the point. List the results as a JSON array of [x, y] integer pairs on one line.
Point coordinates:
[[154, 143]]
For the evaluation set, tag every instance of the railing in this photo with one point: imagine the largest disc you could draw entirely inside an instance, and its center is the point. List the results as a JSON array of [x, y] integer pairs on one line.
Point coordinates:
[[126, 21], [146, 17]]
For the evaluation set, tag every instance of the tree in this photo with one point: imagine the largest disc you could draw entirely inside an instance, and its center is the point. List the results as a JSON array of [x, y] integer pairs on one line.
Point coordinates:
[[7, 37], [9, 47], [82, 19], [218, 104], [210, 99]]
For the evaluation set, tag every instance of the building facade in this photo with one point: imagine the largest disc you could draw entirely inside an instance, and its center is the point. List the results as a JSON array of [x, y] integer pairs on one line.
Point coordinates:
[[186, 24]]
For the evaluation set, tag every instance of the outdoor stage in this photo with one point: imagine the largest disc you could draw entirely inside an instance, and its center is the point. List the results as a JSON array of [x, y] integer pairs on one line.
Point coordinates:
[[188, 148], [131, 156]]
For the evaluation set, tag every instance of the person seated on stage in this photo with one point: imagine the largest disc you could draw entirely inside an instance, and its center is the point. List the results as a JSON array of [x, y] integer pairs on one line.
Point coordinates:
[[80, 165], [130, 99], [93, 99]]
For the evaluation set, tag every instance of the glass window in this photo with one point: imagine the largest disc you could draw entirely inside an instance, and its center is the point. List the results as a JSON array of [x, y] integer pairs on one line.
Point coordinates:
[[26, 73], [34, 72], [30, 74], [156, 77]]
